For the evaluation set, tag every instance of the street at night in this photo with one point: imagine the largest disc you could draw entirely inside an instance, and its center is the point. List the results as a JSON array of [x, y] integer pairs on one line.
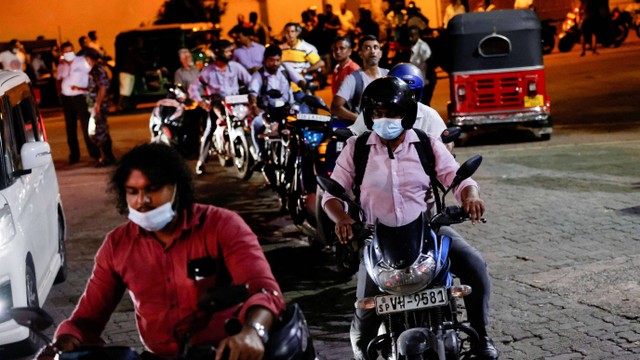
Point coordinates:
[[560, 240]]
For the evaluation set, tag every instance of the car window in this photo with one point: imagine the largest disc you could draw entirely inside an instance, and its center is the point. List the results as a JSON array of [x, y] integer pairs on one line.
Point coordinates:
[[494, 45], [21, 124], [8, 151]]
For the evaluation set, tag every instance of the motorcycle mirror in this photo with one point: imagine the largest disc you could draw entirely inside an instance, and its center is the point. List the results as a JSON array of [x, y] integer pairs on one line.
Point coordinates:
[[451, 134], [332, 187], [33, 318], [466, 170], [315, 102]]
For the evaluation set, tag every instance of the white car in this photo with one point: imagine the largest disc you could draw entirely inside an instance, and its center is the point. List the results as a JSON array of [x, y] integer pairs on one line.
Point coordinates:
[[32, 224]]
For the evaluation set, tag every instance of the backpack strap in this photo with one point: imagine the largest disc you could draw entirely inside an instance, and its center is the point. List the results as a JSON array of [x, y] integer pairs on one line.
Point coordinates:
[[354, 103], [428, 160], [360, 158]]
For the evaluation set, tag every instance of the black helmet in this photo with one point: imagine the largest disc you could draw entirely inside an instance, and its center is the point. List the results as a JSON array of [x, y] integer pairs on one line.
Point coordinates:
[[392, 93]]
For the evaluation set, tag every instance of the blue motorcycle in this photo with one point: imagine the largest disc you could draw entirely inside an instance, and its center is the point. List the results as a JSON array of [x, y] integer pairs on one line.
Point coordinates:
[[418, 303]]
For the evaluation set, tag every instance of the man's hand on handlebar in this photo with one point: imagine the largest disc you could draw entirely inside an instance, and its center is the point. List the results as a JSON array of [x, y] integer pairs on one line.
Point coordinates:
[[344, 229], [244, 345], [64, 343]]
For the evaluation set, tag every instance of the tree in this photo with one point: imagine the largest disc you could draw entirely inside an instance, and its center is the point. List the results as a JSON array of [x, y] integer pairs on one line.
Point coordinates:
[[189, 11]]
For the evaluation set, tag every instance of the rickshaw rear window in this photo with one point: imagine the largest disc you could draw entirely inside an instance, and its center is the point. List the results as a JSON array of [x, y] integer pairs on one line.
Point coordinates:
[[494, 45]]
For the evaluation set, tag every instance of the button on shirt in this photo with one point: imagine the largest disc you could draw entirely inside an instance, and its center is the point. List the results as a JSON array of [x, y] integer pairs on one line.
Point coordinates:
[[251, 56], [223, 83], [393, 190], [276, 81], [156, 277], [75, 73]]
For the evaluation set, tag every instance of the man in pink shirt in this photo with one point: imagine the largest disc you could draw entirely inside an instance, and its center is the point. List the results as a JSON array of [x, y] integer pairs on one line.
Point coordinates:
[[393, 192], [341, 50], [153, 256]]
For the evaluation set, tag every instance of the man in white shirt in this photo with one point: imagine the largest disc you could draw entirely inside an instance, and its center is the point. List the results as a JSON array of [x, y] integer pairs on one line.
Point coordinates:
[[453, 9], [13, 59], [347, 20], [73, 73], [420, 55]]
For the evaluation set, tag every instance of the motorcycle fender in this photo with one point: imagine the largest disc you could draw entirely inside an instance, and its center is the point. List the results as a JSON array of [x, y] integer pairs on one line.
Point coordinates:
[[417, 341]]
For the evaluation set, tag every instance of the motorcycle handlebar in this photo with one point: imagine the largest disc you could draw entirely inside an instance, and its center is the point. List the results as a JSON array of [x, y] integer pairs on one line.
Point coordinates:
[[452, 215]]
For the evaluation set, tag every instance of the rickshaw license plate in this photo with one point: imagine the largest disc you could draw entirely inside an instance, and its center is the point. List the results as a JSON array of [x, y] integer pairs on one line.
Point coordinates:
[[533, 101], [386, 304]]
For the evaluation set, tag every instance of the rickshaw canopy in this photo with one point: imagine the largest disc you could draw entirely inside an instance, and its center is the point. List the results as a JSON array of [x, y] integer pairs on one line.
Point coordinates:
[[500, 39]]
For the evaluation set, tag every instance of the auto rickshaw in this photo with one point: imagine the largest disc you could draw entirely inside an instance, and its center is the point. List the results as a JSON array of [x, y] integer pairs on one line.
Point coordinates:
[[497, 73]]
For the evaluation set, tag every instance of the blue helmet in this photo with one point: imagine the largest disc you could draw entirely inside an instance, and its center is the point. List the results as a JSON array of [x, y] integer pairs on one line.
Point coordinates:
[[411, 75]]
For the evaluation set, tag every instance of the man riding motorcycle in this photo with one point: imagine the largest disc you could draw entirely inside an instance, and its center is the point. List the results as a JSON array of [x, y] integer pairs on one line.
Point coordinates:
[[222, 77], [169, 256], [392, 193]]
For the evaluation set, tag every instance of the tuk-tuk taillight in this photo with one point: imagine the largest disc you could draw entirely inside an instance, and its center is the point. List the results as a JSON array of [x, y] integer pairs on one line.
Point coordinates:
[[532, 88], [462, 93]]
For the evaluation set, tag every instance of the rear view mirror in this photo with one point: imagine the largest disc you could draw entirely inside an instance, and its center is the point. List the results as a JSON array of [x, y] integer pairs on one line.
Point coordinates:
[[35, 154], [466, 170], [451, 134], [315, 102], [332, 187], [33, 318]]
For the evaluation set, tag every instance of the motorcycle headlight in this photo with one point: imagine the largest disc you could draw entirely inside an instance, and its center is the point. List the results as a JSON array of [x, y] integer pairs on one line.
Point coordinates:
[[408, 280], [240, 111], [312, 138]]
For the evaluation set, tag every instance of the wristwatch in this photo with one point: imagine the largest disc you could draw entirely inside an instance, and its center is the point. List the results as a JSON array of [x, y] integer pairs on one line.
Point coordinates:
[[261, 330]]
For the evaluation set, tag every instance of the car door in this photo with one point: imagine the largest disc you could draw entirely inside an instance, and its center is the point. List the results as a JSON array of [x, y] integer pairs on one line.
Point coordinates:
[[33, 196]]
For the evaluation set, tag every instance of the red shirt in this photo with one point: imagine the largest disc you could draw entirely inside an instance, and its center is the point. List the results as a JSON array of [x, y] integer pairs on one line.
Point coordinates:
[[340, 73], [156, 277]]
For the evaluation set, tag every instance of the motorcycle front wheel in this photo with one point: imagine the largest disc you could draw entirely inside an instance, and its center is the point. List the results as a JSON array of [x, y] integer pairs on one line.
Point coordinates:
[[242, 160], [566, 43]]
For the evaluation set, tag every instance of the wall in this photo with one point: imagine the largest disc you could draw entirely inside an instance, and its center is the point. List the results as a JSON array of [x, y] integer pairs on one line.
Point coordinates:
[[67, 20]]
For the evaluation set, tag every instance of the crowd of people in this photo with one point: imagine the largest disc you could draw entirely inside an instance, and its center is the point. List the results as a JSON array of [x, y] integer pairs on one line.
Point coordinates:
[[155, 190]]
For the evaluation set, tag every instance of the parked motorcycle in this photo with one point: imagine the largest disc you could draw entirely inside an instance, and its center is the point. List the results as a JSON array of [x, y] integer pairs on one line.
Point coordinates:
[[172, 121], [548, 36], [613, 33], [289, 337], [419, 300]]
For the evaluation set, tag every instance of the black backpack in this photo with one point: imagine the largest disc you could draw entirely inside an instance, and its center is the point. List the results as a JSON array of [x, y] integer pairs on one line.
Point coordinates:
[[425, 152]]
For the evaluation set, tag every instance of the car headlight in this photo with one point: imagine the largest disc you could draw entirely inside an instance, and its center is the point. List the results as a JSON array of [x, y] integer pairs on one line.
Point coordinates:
[[408, 280]]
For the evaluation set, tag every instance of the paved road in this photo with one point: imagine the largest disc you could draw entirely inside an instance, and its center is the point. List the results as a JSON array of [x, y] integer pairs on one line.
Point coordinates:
[[561, 242]]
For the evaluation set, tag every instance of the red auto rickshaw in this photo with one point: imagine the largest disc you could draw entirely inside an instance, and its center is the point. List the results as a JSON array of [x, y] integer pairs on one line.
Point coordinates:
[[497, 74]]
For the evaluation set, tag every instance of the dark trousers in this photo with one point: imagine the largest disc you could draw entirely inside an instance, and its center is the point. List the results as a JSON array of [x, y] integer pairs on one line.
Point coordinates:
[[466, 263], [75, 108]]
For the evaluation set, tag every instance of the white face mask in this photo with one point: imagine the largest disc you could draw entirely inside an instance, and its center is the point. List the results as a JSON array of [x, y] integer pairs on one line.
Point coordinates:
[[388, 128], [69, 56], [155, 219]]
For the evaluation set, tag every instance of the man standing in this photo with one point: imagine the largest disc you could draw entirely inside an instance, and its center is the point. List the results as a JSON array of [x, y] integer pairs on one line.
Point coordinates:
[[346, 104], [347, 20], [13, 59], [250, 53], [261, 31], [341, 50], [420, 55], [222, 78], [73, 74]]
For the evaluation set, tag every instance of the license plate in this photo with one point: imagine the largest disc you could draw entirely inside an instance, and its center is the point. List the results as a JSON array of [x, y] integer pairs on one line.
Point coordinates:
[[386, 304], [534, 101]]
